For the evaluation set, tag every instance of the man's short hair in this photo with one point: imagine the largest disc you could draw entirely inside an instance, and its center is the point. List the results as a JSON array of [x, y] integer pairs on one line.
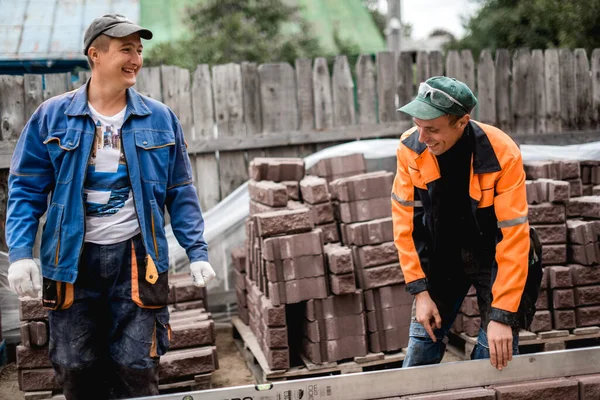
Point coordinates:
[[453, 119], [102, 43]]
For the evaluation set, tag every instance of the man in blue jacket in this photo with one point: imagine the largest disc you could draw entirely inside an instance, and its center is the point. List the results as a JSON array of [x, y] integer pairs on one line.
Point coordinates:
[[104, 162]]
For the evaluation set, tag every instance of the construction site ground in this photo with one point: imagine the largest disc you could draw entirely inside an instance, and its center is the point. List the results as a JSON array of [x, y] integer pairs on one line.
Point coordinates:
[[232, 367]]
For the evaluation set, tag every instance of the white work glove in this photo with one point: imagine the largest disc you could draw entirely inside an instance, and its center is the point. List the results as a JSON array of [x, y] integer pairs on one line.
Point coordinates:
[[24, 277], [201, 272]]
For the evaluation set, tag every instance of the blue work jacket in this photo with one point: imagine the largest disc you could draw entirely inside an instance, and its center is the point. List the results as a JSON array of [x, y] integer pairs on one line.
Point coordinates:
[[51, 157]]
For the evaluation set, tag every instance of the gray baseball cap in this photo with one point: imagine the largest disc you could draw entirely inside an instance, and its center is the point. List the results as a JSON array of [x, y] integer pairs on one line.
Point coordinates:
[[113, 25]]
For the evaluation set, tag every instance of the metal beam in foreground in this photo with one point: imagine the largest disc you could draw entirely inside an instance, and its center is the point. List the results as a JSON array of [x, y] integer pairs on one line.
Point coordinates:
[[405, 381]]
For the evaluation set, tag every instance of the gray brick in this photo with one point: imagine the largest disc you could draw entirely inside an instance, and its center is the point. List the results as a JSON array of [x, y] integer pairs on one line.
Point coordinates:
[[314, 189], [373, 255], [339, 258], [587, 295], [284, 222], [342, 283], [550, 234], [369, 232], [383, 275], [584, 275], [546, 213], [335, 306], [364, 210], [269, 193], [548, 389], [276, 169], [362, 187]]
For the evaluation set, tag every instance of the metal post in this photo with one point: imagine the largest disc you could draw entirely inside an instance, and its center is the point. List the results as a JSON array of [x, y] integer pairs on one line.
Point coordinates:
[[393, 29]]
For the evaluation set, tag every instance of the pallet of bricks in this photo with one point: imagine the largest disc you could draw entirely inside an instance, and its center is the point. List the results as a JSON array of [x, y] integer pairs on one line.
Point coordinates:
[[564, 208], [188, 365], [318, 282]]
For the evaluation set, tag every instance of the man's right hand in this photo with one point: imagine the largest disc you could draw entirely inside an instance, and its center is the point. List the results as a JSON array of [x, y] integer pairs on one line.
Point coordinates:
[[24, 277], [427, 314]]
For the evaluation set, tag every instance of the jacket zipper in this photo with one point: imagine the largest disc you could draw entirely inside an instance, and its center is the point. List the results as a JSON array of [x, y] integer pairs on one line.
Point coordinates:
[[85, 168]]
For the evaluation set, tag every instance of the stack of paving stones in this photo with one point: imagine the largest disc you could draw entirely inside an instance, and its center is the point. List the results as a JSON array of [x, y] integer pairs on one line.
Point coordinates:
[[333, 168], [188, 364]]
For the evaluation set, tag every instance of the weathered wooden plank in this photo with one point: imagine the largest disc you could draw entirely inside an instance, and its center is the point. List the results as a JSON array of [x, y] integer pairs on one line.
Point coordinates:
[[422, 66], [386, 86], [279, 103], [306, 100], [83, 77], [583, 91], [12, 107], [454, 65], [486, 88], [522, 94], [252, 107], [55, 84], [436, 63], [468, 69], [366, 91], [206, 166], [148, 83], [538, 79], [567, 89], [595, 72], [405, 83], [33, 89], [3, 204], [343, 93], [552, 76], [229, 112], [322, 94], [503, 111]]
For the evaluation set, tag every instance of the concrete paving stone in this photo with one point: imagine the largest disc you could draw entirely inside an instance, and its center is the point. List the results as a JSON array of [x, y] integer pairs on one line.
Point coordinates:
[[363, 186], [241, 297], [387, 297], [189, 305], [342, 283], [581, 232], [373, 255], [335, 306], [331, 232], [295, 268], [559, 277], [238, 258], [547, 389], [364, 210], [554, 254], [31, 309], [457, 326], [537, 169], [584, 206], [298, 290], [545, 278], [471, 325], [259, 208], [195, 334], [269, 193], [369, 232], [587, 295], [389, 318], [542, 321], [551, 234], [195, 315], [335, 350], [558, 191], [243, 314], [388, 340], [587, 190], [563, 298], [546, 213], [334, 328], [25, 339], [273, 315], [240, 279], [460, 394], [187, 362], [293, 189], [351, 163], [576, 188], [37, 379], [277, 358], [185, 290], [585, 254], [533, 192], [32, 357], [587, 316], [564, 319], [322, 213], [596, 190], [589, 386], [293, 246], [469, 306], [339, 258], [542, 300], [314, 189], [383, 275], [275, 337], [276, 169], [284, 222]]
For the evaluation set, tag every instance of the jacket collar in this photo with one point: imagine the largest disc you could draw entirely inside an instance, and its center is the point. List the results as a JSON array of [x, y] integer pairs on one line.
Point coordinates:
[[484, 157], [79, 104]]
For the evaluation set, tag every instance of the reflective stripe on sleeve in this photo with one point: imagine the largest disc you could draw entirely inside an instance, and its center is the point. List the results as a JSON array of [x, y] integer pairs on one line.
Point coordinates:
[[512, 222], [407, 203]]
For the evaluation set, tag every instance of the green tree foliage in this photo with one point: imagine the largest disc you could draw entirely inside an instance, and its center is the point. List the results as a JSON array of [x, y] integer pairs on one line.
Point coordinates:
[[224, 31], [536, 24]]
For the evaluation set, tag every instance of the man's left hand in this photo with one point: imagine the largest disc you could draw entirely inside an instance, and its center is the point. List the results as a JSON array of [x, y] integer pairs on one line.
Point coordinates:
[[500, 340], [202, 272]]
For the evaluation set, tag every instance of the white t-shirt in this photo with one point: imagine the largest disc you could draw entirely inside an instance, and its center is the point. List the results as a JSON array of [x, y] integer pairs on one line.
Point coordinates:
[[109, 210]]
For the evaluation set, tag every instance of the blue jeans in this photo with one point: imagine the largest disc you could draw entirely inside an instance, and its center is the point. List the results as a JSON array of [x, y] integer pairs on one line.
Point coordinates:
[[423, 351], [105, 345]]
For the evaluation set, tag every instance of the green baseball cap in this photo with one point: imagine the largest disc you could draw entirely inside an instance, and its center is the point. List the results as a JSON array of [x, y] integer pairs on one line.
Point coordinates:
[[439, 96]]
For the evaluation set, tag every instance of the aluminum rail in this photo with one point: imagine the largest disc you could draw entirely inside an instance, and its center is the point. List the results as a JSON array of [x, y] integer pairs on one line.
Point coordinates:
[[405, 381]]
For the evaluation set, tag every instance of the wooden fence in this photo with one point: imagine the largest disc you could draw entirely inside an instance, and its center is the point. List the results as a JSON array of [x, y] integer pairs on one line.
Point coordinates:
[[232, 113]]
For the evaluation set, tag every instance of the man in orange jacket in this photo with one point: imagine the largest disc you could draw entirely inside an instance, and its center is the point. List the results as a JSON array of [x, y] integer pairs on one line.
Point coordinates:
[[459, 210]]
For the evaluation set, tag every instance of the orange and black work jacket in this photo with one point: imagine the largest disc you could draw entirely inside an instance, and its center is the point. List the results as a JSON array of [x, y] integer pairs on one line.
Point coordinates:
[[498, 202]]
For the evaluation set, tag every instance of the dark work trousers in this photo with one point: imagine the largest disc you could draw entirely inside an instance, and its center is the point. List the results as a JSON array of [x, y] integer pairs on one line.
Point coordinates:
[[105, 346]]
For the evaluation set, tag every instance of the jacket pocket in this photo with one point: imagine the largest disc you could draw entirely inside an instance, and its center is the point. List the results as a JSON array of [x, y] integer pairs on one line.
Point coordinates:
[[60, 145], [149, 289], [57, 295], [161, 336], [50, 249], [157, 227], [153, 148]]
